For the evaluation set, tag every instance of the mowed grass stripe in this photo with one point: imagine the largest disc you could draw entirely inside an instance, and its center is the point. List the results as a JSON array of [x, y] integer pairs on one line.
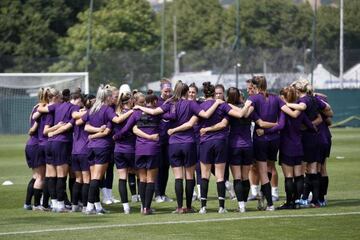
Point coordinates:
[[179, 222]]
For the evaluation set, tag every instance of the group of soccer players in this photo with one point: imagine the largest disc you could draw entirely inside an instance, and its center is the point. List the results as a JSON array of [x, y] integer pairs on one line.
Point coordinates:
[[142, 135]]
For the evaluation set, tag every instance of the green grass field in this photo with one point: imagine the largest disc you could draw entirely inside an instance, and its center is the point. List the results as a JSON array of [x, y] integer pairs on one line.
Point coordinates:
[[339, 220]]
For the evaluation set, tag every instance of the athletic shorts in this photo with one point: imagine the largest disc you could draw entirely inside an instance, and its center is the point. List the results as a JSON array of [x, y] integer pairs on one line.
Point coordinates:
[[213, 152], [290, 160], [32, 156], [241, 156], [182, 155], [48, 153], [79, 162], [311, 147], [124, 160], [99, 156], [61, 153], [147, 161], [266, 150]]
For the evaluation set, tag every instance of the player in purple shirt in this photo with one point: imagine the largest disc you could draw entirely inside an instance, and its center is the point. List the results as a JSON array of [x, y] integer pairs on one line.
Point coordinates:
[[267, 107], [107, 183], [147, 149], [34, 162], [325, 148], [163, 174], [61, 145], [291, 149], [310, 140], [124, 151]]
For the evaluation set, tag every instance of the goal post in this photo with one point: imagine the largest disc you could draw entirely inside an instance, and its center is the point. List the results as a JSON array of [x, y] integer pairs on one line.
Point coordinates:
[[18, 94]]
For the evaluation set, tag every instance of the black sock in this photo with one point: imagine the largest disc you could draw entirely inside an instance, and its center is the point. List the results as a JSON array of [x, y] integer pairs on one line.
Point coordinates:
[[324, 184], [46, 194], [246, 189], [132, 183], [289, 189], [315, 187], [238, 188], [37, 196], [97, 193], [85, 193], [269, 176], [266, 190], [179, 191], [190, 184], [221, 193], [204, 191], [61, 188], [123, 191], [307, 187], [52, 187], [142, 190], [30, 191], [150, 188], [299, 185], [93, 190], [71, 186], [76, 193]]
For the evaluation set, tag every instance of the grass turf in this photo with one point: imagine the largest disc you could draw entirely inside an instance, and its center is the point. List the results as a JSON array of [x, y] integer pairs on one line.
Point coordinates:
[[343, 195]]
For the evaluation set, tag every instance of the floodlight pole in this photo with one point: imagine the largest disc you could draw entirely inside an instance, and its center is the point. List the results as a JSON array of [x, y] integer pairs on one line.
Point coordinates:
[[341, 43], [313, 50], [88, 43], [162, 57]]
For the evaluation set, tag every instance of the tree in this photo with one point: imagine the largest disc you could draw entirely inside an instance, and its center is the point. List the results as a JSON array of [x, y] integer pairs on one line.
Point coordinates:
[[119, 25]]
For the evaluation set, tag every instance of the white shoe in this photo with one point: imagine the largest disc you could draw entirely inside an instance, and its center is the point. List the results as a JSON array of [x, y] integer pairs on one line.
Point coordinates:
[[310, 197], [106, 201], [38, 208], [76, 208], [126, 208], [167, 199], [127, 211], [242, 209], [222, 210], [230, 189], [27, 207], [159, 199], [202, 210], [270, 208]]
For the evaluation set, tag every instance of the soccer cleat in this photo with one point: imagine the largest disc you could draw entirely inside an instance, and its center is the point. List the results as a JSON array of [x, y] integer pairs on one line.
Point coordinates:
[[270, 208], [76, 208], [127, 211], [27, 207], [178, 211], [102, 211], [285, 206], [38, 208], [106, 201], [252, 197], [222, 210], [189, 210], [304, 203], [202, 210], [314, 205], [159, 199], [194, 197], [148, 211], [240, 210], [114, 200], [90, 212], [167, 199], [61, 210], [323, 203]]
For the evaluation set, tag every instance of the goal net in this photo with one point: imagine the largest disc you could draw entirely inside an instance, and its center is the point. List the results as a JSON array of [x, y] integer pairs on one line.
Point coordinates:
[[18, 94]]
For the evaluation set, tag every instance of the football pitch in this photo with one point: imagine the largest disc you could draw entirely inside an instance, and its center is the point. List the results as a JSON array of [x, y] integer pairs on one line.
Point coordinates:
[[339, 220]]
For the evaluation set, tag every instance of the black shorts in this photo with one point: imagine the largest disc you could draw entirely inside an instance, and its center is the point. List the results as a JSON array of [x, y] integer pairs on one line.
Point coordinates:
[[266, 150], [241, 156], [290, 160]]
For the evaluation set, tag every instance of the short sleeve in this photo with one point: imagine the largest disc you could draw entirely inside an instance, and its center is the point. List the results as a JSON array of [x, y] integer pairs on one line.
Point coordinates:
[[320, 103], [166, 107], [226, 107], [52, 108], [254, 116], [49, 119], [110, 113], [195, 108], [280, 101], [85, 118], [75, 108]]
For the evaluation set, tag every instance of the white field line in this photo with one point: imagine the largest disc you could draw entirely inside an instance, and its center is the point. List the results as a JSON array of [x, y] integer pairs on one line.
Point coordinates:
[[176, 222]]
